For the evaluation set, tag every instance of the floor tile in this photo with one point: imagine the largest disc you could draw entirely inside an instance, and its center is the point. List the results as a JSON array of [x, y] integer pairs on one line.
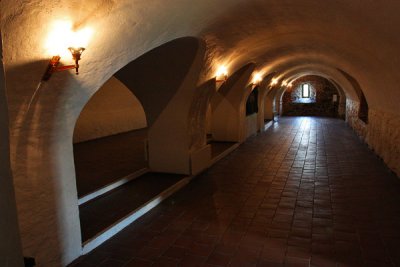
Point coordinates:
[[307, 192]]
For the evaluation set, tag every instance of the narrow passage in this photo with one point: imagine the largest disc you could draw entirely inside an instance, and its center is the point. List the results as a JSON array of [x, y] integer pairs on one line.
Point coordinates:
[[305, 192]]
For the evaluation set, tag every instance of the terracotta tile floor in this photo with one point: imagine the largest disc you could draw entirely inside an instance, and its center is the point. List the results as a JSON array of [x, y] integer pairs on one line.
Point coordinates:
[[305, 193], [218, 148]]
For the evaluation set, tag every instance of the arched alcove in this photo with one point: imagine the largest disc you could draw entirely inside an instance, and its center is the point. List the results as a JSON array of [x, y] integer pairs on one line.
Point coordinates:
[[356, 109], [266, 101], [113, 109], [363, 111], [270, 112], [251, 112], [136, 115], [109, 138]]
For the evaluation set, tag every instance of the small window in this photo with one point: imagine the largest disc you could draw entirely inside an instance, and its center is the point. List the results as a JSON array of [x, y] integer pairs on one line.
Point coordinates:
[[305, 91]]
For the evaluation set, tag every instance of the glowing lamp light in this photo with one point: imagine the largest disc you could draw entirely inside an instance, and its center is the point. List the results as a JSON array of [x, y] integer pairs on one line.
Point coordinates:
[[221, 74], [274, 81], [284, 83], [63, 38], [257, 78]]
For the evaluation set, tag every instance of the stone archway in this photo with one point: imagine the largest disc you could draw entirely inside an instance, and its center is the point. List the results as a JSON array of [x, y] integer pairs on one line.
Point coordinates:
[[43, 152], [322, 97], [109, 138]]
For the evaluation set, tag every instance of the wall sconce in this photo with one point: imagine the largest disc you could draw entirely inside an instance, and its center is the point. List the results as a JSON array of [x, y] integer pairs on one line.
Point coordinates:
[[284, 83], [62, 35], [257, 78], [55, 61], [222, 74]]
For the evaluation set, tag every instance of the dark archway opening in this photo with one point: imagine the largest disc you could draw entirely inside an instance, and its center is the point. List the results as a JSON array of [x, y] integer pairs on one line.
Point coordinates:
[[252, 102], [363, 111]]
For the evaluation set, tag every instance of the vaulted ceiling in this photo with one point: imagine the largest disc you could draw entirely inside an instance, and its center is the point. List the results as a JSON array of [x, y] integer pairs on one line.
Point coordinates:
[[292, 38]]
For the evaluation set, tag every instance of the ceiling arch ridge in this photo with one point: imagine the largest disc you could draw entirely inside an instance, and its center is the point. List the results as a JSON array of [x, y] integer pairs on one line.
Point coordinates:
[[327, 72]]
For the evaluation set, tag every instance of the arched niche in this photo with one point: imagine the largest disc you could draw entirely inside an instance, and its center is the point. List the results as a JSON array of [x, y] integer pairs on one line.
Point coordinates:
[[109, 138], [360, 106], [342, 99], [271, 111], [251, 111], [163, 80], [113, 109], [265, 104], [155, 90], [363, 110]]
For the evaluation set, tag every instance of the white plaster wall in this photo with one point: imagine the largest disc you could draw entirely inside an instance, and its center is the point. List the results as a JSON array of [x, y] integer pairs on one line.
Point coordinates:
[[200, 115], [360, 38], [169, 136], [112, 109], [224, 121], [251, 125], [228, 106]]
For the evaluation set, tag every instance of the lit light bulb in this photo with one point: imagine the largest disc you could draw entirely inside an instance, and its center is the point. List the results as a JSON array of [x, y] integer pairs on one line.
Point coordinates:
[[257, 78], [222, 73], [284, 83], [61, 36]]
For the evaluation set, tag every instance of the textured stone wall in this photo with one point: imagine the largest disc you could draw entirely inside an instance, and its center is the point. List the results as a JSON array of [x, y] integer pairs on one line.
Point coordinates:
[[382, 133], [320, 102], [352, 108], [383, 136]]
